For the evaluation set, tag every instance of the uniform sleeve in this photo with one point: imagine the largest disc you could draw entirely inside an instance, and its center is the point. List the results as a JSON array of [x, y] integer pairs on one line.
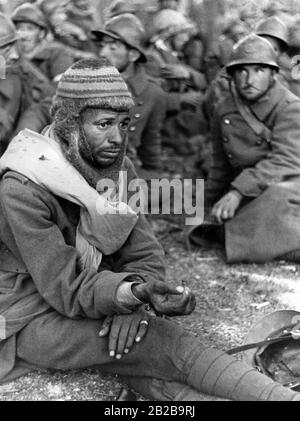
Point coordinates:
[[220, 173], [36, 117], [283, 160], [198, 80], [150, 148], [51, 262], [10, 96]]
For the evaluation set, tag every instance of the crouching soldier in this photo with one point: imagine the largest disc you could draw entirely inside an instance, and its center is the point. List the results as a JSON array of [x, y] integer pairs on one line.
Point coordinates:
[[78, 263], [254, 178], [25, 93]]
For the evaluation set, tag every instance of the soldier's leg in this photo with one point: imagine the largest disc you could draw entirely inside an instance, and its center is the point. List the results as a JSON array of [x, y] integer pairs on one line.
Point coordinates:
[[167, 352], [162, 390]]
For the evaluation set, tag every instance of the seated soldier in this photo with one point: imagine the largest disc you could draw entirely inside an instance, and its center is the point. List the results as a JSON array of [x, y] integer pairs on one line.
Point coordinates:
[[121, 42], [253, 183], [184, 85], [50, 57], [77, 266], [25, 93]]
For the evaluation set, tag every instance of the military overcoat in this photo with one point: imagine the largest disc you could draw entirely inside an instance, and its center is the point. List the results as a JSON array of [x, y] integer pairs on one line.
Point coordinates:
[[265, 169]]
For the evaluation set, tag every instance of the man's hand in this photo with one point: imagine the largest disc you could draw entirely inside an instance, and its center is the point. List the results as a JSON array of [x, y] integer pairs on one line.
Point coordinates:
[[193, 98], [124, 331], [226, 207], [175, 71], [165, 299]]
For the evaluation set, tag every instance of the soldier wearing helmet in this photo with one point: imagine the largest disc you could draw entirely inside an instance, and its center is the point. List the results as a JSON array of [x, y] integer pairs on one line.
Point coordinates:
[[276, 32], [121, 41], [254, 179], [185, 85], [273, 30], [25, 93], [32, 28], [290, 62]]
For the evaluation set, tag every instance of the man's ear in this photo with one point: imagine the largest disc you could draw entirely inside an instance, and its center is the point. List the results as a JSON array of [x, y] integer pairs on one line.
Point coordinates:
[[134, 55]]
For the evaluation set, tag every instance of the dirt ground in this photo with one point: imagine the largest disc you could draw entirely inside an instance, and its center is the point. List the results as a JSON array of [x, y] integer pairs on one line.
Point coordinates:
[[230, 298]]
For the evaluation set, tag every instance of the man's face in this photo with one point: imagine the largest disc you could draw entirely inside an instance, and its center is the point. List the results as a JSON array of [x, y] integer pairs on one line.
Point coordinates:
[[30, 35], [115, 51], [253, 81], [179, 40], [105, 132], [10, 53]]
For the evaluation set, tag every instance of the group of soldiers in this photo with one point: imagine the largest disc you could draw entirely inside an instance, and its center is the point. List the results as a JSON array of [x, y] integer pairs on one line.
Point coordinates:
[[79, 262]]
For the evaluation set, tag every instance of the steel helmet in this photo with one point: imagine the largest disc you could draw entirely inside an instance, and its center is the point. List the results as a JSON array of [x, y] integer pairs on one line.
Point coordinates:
[[280, 358], [28, 12], [274, 27], [252, 49], [126, 28], [294, 37], [169, 22], [8, 33]]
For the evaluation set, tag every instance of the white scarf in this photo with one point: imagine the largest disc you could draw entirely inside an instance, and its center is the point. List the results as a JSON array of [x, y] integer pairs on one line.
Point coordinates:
[[104, 225]]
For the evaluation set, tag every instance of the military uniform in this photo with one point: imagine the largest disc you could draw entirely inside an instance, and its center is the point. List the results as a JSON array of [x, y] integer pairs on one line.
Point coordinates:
[[255, 152], [267, 170], [52, 59], [25, 101], [147, 118]]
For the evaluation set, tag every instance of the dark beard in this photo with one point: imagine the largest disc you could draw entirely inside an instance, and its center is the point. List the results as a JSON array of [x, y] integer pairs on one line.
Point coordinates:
[[78, 153]]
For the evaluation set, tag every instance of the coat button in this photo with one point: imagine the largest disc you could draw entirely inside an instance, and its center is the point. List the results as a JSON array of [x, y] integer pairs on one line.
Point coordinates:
[[140, 103], [132, 129], [225, 139], [229, 156], [226, 121], [137, 115], [259, 142]]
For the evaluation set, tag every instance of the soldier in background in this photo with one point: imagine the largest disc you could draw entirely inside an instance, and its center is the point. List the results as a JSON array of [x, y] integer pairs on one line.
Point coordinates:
[[254, 179], [71, 25], [273, 30], [219, 52], [25, 93], [121, 42], [50, 57], [292, 60], [184, 85]]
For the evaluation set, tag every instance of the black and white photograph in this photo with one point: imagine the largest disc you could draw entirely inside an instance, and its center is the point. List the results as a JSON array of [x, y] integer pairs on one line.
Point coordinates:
[[150, 203]]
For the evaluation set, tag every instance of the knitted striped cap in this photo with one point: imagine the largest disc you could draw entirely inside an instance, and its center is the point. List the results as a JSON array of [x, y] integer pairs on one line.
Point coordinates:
[[95, 82]]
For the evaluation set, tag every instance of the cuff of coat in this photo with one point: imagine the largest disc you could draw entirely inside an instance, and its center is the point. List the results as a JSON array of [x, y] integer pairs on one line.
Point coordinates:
[[106, 292], [126, 298], [246, 185]]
